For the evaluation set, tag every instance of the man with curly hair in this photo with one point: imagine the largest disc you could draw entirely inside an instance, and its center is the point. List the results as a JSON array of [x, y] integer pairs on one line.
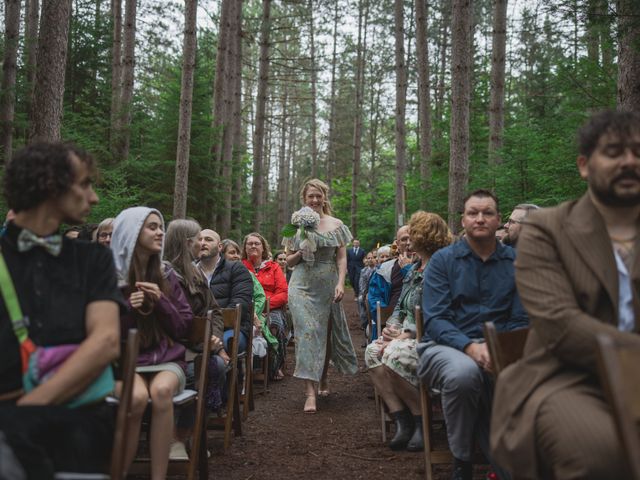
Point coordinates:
[[68, 301], [465, 285]]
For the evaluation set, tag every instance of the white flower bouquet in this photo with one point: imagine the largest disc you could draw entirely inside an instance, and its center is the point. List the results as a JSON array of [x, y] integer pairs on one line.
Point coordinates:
[[301, 221]]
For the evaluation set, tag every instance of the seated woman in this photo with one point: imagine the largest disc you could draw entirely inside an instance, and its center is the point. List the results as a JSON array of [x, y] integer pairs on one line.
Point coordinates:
[[255, 253], [261, 335], [181, 249], [159, 310], [392, 359]]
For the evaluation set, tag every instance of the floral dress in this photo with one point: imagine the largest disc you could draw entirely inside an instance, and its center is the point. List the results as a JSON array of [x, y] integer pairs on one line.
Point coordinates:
[[311, 292], [400, 355]]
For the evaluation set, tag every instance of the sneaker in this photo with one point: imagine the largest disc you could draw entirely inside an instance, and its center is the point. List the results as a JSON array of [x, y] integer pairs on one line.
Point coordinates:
[[178, 451]]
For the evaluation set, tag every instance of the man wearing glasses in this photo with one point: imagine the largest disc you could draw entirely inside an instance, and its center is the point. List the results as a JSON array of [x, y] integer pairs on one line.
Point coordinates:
[[514, 225]]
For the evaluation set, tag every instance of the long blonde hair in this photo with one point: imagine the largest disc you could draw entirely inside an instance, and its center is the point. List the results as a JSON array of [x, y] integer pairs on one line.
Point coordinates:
[[323, 187]]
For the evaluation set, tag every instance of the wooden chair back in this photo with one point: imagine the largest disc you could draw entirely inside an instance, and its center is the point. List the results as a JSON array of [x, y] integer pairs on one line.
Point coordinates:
[[246, 392], [231, 317], [505, 348], [431, 455], [618, 368], [382, 315], [129, 358]]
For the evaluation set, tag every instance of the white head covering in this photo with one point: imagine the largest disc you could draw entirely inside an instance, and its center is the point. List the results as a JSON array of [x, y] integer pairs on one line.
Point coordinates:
[[126, 230]]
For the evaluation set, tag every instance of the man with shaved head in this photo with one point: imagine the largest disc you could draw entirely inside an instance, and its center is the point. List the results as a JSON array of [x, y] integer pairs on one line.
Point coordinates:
[[230, 282]]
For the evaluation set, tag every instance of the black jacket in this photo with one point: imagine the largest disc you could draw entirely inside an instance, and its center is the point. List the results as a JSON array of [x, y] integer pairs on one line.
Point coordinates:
[[231, 285]]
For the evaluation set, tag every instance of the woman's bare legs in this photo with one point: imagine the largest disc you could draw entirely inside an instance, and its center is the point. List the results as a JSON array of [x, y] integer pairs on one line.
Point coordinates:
[[404, 391], [310, 394], [163, 387], [380, 378], [139, 401]]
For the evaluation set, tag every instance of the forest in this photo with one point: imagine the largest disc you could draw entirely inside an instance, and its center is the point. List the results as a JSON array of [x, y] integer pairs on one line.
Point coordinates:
[[220, 109]]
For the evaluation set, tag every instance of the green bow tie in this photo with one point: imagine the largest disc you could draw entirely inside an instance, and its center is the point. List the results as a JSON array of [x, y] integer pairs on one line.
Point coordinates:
[[51, 243]]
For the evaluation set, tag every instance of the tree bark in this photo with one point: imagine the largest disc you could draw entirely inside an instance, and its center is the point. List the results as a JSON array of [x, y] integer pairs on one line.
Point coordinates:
[[239, 137], [314, 103], [257, 188], [9, 70], [281, 217], [122, 128], [48, 93], [401, 99], [461, 37], [628, 55], [331, 156], [116, 74], [443, 43], [32, 17], [424, 92], [496, 106], [186, 104]]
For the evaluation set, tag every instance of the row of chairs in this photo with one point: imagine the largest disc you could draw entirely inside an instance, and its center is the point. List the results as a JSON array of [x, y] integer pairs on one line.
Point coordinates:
[[618, 364]]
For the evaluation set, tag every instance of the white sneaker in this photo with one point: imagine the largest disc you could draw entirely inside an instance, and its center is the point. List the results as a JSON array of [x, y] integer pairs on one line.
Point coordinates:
[[178, 451]]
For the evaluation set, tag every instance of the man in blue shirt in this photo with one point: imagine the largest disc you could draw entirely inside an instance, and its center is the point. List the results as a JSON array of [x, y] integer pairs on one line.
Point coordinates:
[[465, 285]]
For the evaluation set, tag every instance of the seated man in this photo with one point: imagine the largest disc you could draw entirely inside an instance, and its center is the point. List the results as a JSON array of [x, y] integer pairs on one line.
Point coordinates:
[[230, 283], [465, 285], [67, 294], [385, 285], [514, 225], [577, 272]]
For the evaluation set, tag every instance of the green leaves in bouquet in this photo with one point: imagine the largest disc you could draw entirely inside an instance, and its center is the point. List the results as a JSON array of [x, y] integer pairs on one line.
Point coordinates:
[[289, 230]]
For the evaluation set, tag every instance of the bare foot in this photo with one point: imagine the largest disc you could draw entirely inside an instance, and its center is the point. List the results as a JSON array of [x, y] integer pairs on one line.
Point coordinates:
[[310, 403]]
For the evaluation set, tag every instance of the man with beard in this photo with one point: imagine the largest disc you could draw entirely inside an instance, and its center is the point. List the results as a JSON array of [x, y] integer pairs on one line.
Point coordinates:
[[578, 276], [514, 226]]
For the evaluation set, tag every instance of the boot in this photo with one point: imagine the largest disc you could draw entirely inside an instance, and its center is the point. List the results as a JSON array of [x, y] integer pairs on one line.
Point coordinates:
[[462, 470], [404, 429], [416, 444]]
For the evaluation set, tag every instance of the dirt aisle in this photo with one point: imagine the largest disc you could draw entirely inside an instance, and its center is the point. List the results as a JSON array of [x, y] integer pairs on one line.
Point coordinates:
[[342, 440]]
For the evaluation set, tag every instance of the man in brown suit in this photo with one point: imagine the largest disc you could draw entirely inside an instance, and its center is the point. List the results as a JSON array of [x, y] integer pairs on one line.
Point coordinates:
[[578, 275]]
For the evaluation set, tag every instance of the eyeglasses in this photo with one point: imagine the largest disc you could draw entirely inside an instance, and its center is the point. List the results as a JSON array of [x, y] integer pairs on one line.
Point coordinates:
[[105, 235], [511, 221], [254, 244]]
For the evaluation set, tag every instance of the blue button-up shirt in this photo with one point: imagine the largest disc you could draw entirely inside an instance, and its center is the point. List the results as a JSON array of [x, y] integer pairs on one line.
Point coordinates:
[[461, 292]]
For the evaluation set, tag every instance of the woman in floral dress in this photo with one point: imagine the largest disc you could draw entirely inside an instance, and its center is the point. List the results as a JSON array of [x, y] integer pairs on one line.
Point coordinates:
[[315, 292], [392, 359]]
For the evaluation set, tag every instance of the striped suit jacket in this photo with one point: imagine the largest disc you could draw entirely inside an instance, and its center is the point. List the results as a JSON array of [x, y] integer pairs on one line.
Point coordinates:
[[568, 282]]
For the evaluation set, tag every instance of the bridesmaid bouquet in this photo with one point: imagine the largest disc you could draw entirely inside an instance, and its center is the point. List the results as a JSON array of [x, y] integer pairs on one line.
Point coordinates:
[[304, 219]]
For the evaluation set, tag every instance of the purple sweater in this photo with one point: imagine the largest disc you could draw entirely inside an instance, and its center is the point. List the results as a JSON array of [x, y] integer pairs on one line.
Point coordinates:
[[175, 314]]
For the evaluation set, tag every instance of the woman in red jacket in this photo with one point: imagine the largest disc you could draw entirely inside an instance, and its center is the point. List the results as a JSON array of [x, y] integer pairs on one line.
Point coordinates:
[[255, 256]]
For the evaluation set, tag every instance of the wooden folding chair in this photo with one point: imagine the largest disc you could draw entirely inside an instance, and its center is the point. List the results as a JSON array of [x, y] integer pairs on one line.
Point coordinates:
[[382, 314], [431, 455], [618, 368], [199, 334], [505, 348], [246, 392], [263, 377], [231, 318]]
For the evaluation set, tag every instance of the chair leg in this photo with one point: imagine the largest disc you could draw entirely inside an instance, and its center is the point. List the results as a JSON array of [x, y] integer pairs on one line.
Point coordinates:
[[203, 461], [237, 419], [425, 406]]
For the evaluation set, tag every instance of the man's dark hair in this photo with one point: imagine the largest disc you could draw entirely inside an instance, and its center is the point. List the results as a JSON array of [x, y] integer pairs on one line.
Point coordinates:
[[482, 193], [41, 171], [624, 124]]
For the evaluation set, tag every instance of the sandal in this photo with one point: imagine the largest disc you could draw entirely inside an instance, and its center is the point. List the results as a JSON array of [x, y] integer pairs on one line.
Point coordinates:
[[310, 403]]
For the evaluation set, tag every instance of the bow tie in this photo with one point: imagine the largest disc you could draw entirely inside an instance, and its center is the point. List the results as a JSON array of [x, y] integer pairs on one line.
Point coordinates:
[[52, 243]]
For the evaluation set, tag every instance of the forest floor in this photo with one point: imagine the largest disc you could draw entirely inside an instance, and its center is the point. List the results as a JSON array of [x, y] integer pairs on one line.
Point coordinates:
[[341, 441]]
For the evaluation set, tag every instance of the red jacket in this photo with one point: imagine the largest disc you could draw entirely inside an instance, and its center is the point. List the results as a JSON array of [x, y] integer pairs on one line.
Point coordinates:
[[273, 281]]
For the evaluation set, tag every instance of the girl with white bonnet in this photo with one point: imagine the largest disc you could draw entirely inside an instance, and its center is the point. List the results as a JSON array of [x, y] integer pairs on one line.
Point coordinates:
[[159, 310]]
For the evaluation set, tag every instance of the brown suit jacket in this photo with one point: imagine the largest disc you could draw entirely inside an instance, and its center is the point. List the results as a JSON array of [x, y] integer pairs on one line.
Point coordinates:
[[568, 282]]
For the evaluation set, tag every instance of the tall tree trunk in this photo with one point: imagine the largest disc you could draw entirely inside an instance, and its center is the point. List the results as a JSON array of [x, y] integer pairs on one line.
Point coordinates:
[[239, 137], [116, 75], [48, 93], [331, 156], [593, 31], [314, 103], [32, 18], [443, 41], [281, 217], [628, 55], [357, 121], [496, 107], [401, 100], [186, 104], [258, 186], [8, 88], [424, 94], [123, 130], [461, 37], [233, 90]]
